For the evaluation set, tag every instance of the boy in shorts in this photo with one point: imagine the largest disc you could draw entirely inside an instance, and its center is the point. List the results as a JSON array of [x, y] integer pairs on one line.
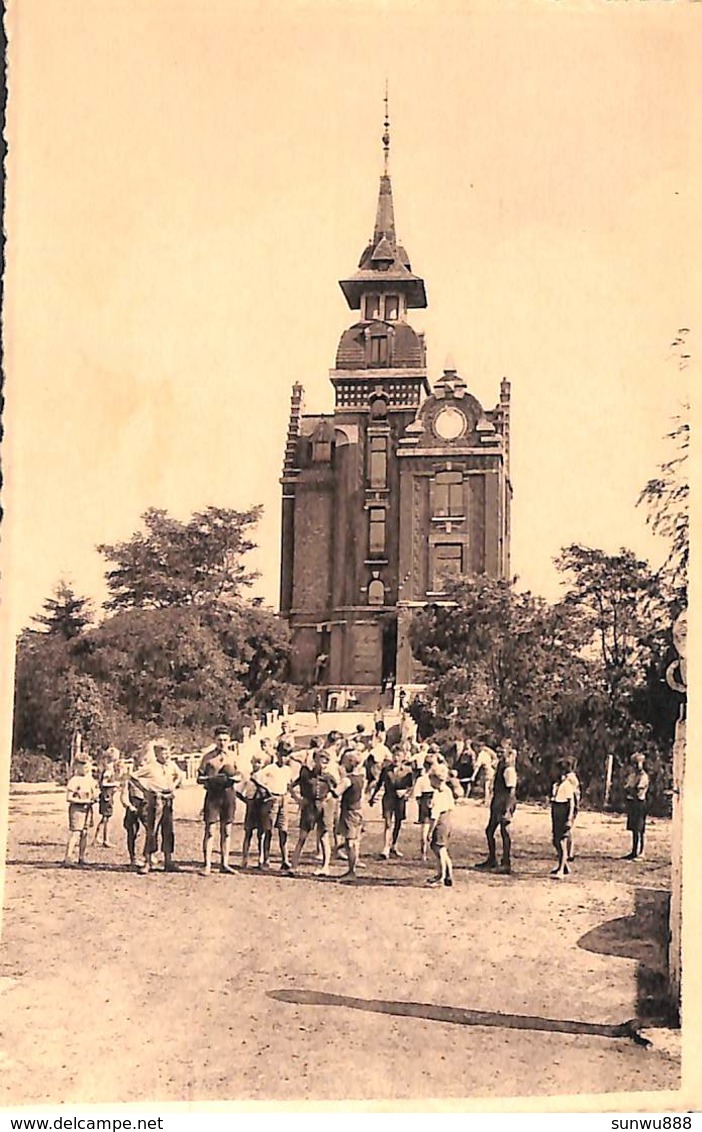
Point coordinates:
[[133, 800], [350, 824], [218, 774], [252, 795], [317, 788], [423, 793], [442, 805], [108, 784], [396, 780], [81, 794], [274, 781]]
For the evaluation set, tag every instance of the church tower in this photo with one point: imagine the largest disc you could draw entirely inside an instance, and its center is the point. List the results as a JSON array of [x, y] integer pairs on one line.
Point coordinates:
[[397, 491]]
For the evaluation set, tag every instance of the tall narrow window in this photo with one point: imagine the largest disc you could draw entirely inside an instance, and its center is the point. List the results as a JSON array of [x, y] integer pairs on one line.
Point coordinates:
[[372, 306], [379, 350], [448, 494], [376, 538], [378, 462], [392, 307], [447, 565]]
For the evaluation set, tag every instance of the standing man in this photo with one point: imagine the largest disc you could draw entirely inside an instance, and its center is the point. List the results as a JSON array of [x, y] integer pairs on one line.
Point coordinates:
[[218, 774], [502, 807], [159, 778], [274, 781]]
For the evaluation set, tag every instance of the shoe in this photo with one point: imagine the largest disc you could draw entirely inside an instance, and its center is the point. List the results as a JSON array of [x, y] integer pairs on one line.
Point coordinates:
[[395, 852], [448, 881], [321, 873], [487, 865], [504, 870], [206, 871], [433, 882], [383, 856], [172, 868], [629, 857], [286, 867], [556, 874], [348, 876], [226, 869], [143, 870]]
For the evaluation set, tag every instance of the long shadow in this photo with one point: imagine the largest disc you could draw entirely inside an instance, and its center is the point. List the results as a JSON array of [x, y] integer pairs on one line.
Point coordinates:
[[456, 1015], [644, 937]]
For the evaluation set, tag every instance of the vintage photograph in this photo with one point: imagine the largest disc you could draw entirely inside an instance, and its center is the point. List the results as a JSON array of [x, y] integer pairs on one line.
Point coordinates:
[[349, 351]]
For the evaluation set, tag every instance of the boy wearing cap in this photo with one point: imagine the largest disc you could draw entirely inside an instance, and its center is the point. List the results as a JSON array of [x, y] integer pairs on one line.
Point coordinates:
[[442, 805], [219, 775], [81, 794]]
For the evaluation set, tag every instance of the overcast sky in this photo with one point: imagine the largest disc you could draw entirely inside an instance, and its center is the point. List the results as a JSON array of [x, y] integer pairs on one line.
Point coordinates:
[[190, 178]]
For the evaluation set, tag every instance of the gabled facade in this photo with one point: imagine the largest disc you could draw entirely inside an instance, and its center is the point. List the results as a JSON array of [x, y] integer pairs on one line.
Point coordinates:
[[398, 490]]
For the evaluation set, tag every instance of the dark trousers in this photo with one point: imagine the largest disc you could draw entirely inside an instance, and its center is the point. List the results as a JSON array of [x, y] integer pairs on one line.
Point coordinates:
[[497, 820], [158, 820]]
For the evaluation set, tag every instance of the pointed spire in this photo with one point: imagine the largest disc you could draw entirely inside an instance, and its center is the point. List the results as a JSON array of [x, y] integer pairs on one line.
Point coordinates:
[[385, 215], [386, 133]]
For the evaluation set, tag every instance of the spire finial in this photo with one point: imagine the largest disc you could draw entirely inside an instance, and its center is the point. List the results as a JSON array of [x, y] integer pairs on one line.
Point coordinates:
[[386, 133]]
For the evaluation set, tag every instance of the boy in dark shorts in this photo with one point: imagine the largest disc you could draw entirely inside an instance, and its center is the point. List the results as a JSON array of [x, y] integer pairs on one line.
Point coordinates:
[[218, 774], [350, 823], [423, 793], [396, 780], [317, 786], [563, 800], [252, 794], [108, 783], [502, 806]]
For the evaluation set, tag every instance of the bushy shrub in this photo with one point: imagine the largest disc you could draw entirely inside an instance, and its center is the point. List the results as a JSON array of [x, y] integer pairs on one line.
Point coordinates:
[[30, 766]]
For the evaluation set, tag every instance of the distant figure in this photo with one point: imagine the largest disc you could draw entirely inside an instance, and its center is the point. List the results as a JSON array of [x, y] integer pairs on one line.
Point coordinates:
[[133, 800], [636, 794], [319, 666], [379, 719], [252, 795], [317, 788], [423, 792], [317, 707], [82, 793]]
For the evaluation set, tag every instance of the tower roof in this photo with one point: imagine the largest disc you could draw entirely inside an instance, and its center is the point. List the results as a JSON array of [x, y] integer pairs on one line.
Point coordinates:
[[384, 263]]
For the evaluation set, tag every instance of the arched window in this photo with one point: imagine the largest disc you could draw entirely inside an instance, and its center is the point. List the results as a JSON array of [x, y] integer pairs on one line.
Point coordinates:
[[376, 592]]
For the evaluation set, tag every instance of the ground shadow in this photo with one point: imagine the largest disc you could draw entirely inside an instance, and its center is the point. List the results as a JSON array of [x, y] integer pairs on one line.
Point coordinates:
[[456, 1015], [643, 937]]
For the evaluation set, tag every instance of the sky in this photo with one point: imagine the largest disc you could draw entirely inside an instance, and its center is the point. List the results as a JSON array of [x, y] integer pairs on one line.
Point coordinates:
[[189, 179]]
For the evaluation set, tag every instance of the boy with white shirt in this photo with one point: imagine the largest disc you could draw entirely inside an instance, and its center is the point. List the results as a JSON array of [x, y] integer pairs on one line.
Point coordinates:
[[275, 780], [442, 806]]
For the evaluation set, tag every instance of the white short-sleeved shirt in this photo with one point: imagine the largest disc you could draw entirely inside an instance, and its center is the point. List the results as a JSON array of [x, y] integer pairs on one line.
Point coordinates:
[[275, 779], [563, 791], [442, 802]]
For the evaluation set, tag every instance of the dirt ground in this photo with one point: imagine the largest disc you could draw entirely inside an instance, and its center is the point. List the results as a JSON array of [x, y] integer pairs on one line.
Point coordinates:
[[177, 987]]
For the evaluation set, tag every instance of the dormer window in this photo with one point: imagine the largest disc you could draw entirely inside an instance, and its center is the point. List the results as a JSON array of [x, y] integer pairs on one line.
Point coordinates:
[[372, 307], [392, 307]]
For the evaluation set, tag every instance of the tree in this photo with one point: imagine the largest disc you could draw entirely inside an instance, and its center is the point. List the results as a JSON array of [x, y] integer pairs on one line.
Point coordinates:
[[666, 496], [171, 563], [505, 663], [65, 614]]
